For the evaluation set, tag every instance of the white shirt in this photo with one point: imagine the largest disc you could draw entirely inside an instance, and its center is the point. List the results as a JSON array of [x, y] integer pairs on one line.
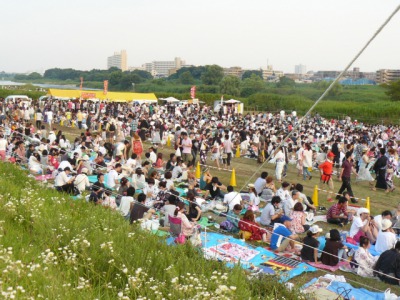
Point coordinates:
[[49, 115], [170, 184], [120, 149], [61, 179], [288, 205], [131, 163], [3, 144], [175, 172], [125, 205], [356, 225], [232, 199], [81, 181], [267, 213], [112, 176], [52, 137], [64, 164], [385, 241], [259, 185], [283, 194], [153, 157]]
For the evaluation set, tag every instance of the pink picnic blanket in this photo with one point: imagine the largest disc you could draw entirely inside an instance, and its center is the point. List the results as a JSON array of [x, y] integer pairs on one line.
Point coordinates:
[[330, 268], [44, 177]]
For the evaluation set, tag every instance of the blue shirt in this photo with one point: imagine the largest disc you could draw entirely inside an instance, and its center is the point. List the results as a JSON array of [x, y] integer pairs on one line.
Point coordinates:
[[278, 231]]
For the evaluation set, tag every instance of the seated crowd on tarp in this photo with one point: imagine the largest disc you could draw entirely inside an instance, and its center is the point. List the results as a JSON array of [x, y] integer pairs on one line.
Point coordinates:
[[110, 164]]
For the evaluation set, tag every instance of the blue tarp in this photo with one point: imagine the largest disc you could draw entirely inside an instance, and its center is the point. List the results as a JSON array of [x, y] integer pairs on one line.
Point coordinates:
[[354, 293]]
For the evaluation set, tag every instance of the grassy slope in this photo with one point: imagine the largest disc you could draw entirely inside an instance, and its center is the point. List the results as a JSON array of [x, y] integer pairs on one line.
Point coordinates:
[[56, 248]]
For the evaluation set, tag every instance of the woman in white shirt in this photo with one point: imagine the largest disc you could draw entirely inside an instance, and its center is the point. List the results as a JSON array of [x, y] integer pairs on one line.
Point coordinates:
[[138, 179], [280, 163], [34, 164], [254, 200], [386, 238], [307, 161], [365, 261]]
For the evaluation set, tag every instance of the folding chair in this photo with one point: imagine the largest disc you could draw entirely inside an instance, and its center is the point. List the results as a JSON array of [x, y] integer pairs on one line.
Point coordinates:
[[175, 226]]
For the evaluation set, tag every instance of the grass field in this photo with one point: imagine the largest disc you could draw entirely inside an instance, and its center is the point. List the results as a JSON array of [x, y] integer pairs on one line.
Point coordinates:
[[248, 170], [52, 247]]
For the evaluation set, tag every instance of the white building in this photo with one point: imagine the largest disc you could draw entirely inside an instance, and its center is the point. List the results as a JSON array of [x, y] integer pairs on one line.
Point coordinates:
[[300, 69], [269, 73], [118, 60], [162, 68]]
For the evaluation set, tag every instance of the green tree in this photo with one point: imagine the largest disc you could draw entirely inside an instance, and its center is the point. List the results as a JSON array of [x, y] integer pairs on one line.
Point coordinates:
[[186, 78], [393, 90], [248, 73], [285, 82], [115, 78], [127, 79], [212, 75], [252, 85], [34, 76], [230, 85]]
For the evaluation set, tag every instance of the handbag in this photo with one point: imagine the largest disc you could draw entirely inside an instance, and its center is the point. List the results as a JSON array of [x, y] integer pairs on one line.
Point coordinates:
[[180, 239], [195, 239], [246, 235], [178, 152], [389, 171]]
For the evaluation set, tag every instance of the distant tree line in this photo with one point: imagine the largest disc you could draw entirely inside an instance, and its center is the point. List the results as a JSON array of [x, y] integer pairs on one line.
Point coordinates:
[[208, 79]]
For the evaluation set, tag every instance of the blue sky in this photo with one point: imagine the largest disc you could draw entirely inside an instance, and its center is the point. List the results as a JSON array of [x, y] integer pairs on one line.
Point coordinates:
[[321, 34]]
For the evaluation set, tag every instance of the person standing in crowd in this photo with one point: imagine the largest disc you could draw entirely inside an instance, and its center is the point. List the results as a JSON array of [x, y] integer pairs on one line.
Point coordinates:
[[345, 176], [227, 150], [326, 170], [380, 170], [186, 145], [280, 164], [307, 161]]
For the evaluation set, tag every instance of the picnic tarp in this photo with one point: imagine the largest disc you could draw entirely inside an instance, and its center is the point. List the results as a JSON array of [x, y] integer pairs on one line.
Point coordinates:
[[354, 293], [214, 239]]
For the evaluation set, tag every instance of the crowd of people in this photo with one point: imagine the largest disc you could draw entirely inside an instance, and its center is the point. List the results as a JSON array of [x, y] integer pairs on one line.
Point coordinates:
[[122, 145]]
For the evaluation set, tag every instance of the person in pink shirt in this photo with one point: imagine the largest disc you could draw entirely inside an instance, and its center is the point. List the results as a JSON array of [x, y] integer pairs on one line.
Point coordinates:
[[186, 144], [227, 155]]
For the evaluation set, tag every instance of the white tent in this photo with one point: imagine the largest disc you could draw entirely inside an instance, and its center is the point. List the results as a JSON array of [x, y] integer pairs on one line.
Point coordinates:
[[170, 100], [231, 101]]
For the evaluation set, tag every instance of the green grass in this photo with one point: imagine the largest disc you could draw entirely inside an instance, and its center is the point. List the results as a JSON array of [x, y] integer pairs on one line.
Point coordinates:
[[56, 248]]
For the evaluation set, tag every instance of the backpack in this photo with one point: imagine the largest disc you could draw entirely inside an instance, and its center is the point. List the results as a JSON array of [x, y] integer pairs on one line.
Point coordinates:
[[112, 127]]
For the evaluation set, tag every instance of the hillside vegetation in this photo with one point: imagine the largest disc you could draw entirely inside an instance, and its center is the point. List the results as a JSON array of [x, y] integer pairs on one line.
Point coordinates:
[[56, 248]]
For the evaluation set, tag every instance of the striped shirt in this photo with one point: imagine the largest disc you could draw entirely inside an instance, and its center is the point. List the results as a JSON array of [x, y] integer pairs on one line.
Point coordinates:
[[335, 210]]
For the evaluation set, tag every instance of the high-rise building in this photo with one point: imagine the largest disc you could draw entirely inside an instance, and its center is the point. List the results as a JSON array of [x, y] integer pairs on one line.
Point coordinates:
[[300, 69], [386, 76], [163, 68], [118, 60]]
